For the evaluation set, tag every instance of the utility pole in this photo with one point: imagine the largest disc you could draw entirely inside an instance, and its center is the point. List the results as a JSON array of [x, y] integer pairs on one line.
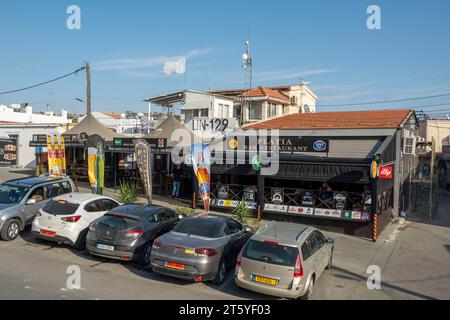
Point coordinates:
[[88, 93]]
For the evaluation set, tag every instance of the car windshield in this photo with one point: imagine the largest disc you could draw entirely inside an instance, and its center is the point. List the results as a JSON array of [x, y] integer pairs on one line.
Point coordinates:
[[203, 227], [271, 253], [12, 194], [118, 222], [60, 207]]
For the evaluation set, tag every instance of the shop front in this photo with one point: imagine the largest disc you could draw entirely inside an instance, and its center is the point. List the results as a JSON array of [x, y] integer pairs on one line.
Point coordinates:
[[323, 178]]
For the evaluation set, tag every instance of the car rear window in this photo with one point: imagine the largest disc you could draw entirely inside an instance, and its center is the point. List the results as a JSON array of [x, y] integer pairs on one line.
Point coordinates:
[[271, 253], [118, 222], [60, 207], [203, 227]]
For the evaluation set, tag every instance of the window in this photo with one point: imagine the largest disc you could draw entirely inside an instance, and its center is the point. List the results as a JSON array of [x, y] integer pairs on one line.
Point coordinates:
[[255, 112], [271, 110], [225, 109], [37, 194], [118, 222], [66, 187], [165, 215], [60, 207], [152, 218], [94, 206], [306, 108], [305, 251], [12, 194], [53, 190], [203, 227], [311, 244], [320, 239], [272, 253], [233, 227], [109, 204]]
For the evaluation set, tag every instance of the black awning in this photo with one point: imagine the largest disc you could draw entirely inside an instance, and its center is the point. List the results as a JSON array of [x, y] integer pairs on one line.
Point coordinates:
[[343, 173], [239, 170]]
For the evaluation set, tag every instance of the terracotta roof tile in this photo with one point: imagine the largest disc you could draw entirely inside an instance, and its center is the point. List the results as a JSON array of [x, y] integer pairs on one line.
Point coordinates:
[[264, 92], [336, 120]]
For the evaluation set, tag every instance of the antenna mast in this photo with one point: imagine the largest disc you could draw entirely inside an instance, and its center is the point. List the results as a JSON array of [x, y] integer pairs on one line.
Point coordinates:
[[247, 66]]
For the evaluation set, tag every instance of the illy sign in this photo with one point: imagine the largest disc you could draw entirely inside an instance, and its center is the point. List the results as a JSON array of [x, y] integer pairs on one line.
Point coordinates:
[[385, 172]]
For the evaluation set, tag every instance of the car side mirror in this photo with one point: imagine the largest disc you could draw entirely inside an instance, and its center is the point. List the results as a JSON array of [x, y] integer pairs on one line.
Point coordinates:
[[329, 240], [180, 216], [248, 229], [31, 201]]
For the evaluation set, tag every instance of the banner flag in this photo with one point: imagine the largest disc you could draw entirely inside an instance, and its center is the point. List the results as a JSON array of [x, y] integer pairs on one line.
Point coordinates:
[[96, 163], [175, 67], [143, 161], [201, 161]]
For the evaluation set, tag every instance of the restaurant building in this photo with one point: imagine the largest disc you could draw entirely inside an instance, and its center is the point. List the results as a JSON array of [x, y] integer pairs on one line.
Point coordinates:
[[324, 171]]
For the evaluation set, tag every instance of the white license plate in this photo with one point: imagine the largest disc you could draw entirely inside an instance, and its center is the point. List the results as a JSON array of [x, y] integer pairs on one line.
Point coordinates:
[[105, 247]]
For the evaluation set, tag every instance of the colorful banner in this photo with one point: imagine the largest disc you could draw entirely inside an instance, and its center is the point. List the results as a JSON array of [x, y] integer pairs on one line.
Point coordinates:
[[143, 161], [96, 163], [201, 161], [56, 155]]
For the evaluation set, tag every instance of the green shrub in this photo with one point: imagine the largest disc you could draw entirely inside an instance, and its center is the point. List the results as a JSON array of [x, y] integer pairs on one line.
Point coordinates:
[[241, 212], [127, 192], [186, 211], [255, 224]]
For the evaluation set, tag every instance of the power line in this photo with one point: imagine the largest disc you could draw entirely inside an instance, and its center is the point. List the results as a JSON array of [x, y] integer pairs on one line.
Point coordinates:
[[44, 83], [384, 101]]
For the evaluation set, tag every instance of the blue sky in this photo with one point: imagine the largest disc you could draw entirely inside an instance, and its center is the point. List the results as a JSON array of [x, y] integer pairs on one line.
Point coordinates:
[[127, 42]]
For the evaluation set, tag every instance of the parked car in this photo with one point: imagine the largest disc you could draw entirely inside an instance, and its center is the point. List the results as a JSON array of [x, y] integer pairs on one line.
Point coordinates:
[[66, 218], [285, 260], [199, 249], [21, 199], [127, 232]]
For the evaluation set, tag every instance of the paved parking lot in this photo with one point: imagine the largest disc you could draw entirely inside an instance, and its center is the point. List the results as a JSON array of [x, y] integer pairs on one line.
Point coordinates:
[[414, 258]]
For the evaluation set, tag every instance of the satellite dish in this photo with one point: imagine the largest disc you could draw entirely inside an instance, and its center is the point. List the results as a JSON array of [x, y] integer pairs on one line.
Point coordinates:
[[244, 57]]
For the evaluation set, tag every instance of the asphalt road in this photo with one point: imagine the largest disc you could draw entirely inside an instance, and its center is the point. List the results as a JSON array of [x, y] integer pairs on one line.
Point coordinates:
[[414, 258]]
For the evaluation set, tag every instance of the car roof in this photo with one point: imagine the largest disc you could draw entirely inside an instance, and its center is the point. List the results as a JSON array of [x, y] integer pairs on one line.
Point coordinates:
[[137, 209], [33, 181], [284, 232], [78, 197]]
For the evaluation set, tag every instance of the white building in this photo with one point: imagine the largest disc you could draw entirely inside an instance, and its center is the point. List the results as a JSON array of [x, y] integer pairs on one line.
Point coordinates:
[[121, 123], [24, 132], [24, 114]]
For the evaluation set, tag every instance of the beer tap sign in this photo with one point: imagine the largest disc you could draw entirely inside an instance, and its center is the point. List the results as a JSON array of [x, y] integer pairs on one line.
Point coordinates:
[[56, 155]]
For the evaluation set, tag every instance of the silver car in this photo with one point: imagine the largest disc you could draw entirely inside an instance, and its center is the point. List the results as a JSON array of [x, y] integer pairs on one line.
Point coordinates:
[[285, 260], [199, 249], [21, 199]]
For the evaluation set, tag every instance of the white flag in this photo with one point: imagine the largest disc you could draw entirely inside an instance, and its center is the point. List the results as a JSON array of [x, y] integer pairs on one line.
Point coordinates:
[[175, 67]]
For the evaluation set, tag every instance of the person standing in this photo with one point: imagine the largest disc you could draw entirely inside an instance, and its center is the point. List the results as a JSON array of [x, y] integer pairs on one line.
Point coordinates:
[[176, 184]]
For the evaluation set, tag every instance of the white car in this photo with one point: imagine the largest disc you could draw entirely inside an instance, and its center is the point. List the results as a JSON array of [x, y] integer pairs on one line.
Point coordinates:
[[66, 219]]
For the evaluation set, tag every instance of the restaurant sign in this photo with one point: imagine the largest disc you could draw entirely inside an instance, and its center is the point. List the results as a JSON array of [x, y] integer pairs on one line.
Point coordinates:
[[70, 140], [281, 144]]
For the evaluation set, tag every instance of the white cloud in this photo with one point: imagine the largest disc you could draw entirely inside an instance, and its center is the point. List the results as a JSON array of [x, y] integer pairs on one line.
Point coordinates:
[[148, 62]]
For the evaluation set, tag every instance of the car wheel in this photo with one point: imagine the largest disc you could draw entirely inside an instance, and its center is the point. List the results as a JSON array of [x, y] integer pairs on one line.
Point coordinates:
[[10, 230], [220, 276], [144, 258], [309, 292], [330, 262], [80, 244]]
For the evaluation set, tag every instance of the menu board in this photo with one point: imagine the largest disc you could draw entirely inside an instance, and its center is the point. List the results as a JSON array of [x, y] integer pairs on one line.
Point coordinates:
[[8, 152]]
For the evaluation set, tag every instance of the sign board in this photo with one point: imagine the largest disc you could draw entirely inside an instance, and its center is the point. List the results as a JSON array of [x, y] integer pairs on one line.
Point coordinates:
[[339, 200], [249, 193], [233, 204], [210, 125], [129, 143], [327, 213], [277, 196], [281, 144], [70, 140], [385, 172], [301, 210], [307, 199], [275, 207], [222, 192], [8, 152]]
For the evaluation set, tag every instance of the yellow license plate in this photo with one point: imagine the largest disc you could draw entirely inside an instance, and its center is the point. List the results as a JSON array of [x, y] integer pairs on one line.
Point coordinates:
[[264, 280]]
